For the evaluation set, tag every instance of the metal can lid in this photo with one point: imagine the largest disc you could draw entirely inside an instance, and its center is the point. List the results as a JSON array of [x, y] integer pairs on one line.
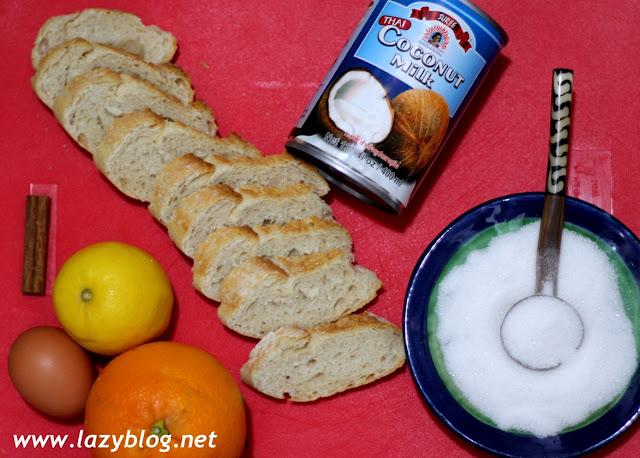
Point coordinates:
[[502, 35], [347, 179]]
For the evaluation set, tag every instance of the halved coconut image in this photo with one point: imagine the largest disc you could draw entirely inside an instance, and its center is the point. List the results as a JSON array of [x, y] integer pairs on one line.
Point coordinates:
[[357, 104], [420, 124]]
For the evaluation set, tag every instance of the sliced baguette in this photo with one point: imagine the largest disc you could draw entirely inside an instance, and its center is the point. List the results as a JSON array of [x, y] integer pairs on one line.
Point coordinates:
[[262, 295], [137, 146], [110, 27], [229, 247], [216, 206], [307, 364], [184, 174], [90, 102], [73, 58]]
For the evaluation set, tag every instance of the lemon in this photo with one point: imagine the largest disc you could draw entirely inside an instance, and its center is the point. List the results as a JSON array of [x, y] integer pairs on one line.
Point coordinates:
[[111, 296]]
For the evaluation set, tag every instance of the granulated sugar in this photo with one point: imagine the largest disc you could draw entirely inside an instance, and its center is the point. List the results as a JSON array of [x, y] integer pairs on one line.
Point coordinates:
[[542, 332], [472, 302]]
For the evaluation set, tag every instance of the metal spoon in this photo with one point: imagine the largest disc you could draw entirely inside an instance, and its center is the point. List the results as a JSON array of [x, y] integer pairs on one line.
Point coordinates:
[[549, 238]]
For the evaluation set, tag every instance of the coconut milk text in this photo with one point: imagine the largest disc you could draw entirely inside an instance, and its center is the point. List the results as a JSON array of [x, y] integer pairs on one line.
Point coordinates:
[[423, 65]]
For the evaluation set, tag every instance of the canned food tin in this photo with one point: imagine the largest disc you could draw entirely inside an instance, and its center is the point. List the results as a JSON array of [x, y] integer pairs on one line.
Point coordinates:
[[395, 94]]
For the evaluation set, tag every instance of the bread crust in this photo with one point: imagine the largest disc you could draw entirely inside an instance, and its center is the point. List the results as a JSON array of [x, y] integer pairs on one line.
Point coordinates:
[[78, 56], [194, 203], [126, 126], [299, 225], [298, 265], [121, 129], [280, 277], [293, 339], [215, 243], [226, 248], [85, 84], [61, 25], [241, 143], [174, 173], [166, 141], [282, 161], [249, 203], [276, 192]]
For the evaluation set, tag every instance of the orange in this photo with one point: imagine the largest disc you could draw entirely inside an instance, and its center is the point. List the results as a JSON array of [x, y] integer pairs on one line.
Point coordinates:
[[158, 394]]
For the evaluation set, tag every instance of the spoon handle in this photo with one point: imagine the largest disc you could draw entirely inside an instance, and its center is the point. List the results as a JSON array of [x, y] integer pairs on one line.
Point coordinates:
[[561, 98], [553, 211]]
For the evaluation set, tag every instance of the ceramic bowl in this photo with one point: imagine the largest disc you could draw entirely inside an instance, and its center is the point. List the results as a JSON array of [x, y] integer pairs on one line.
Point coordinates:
[[433, 388]]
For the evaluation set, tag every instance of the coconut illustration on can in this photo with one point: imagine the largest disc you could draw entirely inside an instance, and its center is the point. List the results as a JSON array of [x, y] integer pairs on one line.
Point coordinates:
[[357, 105], [419, 127], [394, 96]]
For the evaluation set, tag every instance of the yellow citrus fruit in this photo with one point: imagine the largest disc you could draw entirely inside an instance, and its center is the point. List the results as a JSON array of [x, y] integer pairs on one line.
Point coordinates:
[[111, 296]]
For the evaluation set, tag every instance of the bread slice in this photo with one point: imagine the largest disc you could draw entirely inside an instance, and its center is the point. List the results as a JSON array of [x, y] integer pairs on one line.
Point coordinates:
[[90, 102], [184, 174], [176, 180], [262, 295], [216, 206], [73, 58], [229, 247], [137, 146], [307, 364], [273, 170], [109, 27]]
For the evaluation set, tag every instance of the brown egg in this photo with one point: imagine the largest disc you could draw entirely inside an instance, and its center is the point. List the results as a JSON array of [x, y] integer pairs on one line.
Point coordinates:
[[51, 372]]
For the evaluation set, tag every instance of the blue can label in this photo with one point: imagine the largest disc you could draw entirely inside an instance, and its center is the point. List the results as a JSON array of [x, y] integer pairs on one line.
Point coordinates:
[[396, 92]]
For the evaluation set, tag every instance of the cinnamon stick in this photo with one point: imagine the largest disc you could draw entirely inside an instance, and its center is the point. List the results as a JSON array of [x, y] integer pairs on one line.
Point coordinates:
[[36, 238]]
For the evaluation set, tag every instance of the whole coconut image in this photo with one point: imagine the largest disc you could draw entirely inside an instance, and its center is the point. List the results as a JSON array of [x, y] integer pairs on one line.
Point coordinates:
[[419, 127]]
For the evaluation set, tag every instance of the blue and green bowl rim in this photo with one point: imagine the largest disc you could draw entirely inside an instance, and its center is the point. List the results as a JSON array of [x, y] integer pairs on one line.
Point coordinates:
[[433, 390]]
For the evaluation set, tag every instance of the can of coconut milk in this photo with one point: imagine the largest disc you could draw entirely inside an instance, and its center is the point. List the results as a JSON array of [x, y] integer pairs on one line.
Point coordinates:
[[394, 95]]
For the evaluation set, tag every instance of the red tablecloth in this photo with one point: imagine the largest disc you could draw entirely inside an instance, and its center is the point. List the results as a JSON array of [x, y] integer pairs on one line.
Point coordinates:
[[258, 64]]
